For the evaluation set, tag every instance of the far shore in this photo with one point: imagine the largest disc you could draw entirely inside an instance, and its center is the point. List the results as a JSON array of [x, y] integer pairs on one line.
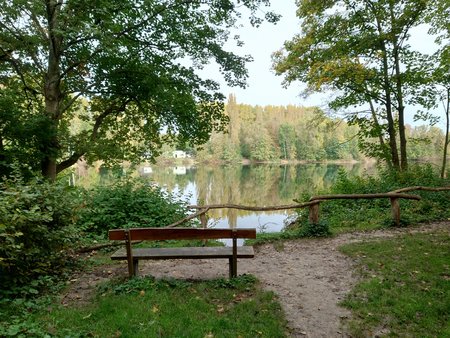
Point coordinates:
[[193, 161]]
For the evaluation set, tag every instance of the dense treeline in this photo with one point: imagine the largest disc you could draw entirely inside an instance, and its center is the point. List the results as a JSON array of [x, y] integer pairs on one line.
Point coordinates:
[[281, 132], [292, 133]]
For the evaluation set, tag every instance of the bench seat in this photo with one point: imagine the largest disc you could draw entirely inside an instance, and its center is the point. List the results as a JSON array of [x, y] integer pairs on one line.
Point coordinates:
[[185, 252]]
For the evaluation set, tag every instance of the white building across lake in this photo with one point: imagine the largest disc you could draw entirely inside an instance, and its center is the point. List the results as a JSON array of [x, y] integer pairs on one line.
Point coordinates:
[[179, 154]]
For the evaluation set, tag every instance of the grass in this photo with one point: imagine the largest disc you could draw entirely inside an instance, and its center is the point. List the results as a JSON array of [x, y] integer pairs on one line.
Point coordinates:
[[144, 307], [404, 288]]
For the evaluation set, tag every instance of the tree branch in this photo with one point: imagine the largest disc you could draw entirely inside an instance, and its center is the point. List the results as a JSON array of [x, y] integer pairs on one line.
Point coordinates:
[[69, 162], [111, 110], [70, 103], [38, 25], [98, 122]]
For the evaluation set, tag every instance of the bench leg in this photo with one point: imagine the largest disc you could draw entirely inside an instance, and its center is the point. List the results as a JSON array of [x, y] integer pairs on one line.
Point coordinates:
[[135, 267], [232, 266], [233, 260], [131, 269]]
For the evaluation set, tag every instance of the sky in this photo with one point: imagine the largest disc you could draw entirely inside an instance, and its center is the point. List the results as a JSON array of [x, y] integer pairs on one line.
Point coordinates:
[[264, 87]]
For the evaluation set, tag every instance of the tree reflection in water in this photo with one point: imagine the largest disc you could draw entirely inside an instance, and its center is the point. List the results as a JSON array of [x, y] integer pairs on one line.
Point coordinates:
[[252, 185]]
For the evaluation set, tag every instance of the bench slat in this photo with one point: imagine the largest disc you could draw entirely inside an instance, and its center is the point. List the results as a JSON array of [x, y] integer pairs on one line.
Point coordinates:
[[180, 233], [186, 252]]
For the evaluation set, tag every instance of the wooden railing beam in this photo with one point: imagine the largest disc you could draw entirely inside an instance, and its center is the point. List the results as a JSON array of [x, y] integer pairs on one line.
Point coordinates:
[[251, 208], [314, 204], [365, 196]]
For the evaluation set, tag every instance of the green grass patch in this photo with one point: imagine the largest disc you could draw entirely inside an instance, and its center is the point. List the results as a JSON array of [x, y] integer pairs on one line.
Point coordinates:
[[144, 307], [404, 288], [304, 230]]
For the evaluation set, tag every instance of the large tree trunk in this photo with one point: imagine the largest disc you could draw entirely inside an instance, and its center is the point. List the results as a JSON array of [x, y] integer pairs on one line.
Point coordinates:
[[447, 127], [49, 168], [52, 93], [401, 114]]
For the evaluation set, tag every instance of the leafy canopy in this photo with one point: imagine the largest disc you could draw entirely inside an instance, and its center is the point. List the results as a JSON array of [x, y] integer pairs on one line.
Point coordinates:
[[127, 70], [359, 50]]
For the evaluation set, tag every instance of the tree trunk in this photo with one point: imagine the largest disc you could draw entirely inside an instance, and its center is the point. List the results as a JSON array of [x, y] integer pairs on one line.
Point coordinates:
[[387, 91], [447, 127], [390, 119], [377, 124], [52, 93], [399, 96], [48, 166]]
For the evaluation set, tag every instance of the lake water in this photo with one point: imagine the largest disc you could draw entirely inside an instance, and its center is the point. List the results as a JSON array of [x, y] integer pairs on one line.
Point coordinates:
[[250, 185]]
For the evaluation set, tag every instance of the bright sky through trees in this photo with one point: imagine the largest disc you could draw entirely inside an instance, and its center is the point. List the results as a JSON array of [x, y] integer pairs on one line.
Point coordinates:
[[264, 87]]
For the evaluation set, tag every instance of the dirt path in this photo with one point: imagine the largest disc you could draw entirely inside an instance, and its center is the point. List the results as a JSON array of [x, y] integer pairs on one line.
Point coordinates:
[[310, 277]]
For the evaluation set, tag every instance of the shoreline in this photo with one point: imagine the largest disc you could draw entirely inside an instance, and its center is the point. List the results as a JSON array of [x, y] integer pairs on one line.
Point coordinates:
[[193, 161]]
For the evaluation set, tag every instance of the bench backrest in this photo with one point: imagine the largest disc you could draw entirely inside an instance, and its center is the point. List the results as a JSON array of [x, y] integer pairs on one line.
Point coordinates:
[[179, 233]]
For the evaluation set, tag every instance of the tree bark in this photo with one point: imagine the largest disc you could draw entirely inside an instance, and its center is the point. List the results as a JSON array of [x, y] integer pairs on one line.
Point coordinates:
[[390, 119], [399, 95], [52, 93], [314, 213], [377, 124], [446, 142], [387, 91]]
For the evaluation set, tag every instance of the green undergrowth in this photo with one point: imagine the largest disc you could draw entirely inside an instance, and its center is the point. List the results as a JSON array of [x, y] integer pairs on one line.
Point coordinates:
[[145, 307], [128, 203], [340, 216], [306, 230], [404, 289], [368, 214]]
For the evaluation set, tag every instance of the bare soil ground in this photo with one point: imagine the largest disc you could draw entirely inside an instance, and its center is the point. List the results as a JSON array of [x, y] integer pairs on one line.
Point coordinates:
[[310, 277]]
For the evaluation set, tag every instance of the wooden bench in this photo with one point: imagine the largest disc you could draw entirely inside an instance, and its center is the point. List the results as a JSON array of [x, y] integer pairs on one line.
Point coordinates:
[[133, 255]]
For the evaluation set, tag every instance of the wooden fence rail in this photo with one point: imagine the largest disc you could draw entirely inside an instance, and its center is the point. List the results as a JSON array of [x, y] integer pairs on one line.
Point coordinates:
[[394, 197], [314, 204]]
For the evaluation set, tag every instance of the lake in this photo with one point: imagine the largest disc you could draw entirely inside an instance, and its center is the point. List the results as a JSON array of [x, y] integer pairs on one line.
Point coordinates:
[[250, 185]]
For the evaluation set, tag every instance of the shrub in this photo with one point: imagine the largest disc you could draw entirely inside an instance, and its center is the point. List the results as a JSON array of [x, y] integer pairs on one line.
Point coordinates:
[[129, 203], [309, 229], [36, 229]]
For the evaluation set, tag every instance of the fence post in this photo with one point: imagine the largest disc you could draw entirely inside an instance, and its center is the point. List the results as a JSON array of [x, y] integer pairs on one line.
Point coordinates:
[[203, 220], [314, 213], [395, 211], [204, 223]]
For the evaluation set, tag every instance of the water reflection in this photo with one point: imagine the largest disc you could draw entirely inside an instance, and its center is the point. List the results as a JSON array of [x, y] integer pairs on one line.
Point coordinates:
[[252, 185]]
